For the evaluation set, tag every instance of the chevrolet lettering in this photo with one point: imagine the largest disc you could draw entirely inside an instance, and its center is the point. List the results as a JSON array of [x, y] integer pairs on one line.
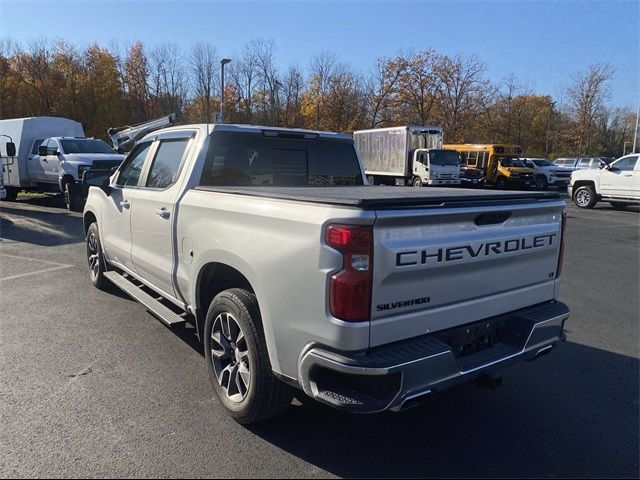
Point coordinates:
[[439, 255]]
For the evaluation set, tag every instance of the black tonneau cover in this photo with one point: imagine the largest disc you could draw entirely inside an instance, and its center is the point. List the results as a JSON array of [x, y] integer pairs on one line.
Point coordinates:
[[380, 197]]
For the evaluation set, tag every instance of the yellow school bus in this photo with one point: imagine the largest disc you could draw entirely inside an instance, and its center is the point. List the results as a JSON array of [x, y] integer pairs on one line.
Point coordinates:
[[500, 163]]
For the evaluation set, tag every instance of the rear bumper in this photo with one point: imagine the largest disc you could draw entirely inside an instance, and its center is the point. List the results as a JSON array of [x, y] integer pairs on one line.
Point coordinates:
[[397, 376]]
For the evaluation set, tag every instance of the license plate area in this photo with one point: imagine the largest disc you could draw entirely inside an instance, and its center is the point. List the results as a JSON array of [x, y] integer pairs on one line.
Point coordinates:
[[478, 342]]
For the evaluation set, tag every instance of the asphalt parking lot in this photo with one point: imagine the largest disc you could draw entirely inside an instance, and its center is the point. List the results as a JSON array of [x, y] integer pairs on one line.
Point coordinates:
[[92, 385]]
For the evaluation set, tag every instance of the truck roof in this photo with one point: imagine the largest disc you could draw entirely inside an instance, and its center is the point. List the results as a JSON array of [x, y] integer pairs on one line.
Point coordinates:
[[230, 127]]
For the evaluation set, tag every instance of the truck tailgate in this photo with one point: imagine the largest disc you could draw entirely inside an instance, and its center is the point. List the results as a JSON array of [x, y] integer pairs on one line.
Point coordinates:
[[436, 268]]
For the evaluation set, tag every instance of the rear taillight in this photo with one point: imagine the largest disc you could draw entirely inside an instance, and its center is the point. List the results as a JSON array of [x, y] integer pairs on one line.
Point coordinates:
[[561, 256], [350, 288]]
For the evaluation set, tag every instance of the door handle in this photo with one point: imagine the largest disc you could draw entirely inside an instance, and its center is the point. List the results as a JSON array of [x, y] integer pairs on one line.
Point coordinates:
[[163, 212], [125, 204], [628, 175]]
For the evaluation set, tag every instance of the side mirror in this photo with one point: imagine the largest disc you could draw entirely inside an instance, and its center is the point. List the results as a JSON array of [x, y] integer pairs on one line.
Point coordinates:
[[11, 149], [97, 178], [56, 152], [42, 150]]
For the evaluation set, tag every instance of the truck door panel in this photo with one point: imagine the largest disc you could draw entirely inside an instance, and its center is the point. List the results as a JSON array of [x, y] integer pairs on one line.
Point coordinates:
[[618, 181], [153, 220], [115, 233]]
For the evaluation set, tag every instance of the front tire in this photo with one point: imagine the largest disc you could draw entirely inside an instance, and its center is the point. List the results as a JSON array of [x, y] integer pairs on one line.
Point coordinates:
[[541, 182], [417, 182], [501, 183], [238, 361], [95, 259], [585, 197], [12, 194], [72, 197]]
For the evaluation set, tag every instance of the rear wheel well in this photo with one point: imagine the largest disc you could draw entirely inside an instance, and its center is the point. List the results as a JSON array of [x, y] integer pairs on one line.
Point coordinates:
[[213, 279], [89, 218]]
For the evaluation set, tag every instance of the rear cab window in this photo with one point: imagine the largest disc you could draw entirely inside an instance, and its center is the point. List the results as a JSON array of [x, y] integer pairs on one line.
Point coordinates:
[[275, 158]]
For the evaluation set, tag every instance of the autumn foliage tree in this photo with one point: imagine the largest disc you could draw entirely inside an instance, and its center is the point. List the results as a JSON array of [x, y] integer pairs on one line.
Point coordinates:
[[111, 86]]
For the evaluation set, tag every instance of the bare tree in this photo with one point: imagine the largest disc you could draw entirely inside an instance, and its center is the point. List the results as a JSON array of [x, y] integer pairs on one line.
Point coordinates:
[[203, 61], [168, 79], [293, 86], [463, 88], [382, 89], [262, 54], [587, 97]]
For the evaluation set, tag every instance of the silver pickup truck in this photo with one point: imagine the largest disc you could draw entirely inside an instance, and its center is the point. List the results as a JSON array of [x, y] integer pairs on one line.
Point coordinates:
[[299, 276]]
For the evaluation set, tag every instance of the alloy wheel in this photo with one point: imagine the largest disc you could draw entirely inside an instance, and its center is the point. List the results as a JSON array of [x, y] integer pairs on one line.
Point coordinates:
[[583, 198], [230, 357], [93, 255]]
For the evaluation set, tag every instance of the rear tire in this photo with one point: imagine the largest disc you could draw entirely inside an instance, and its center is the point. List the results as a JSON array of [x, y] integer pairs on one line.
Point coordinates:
[[238, 360], [585, 197], [619, 205], [72, 197], [371, 180]]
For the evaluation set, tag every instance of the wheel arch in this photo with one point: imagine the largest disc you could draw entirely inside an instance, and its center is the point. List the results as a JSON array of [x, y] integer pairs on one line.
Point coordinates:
[[213, 278], [64, 179], [88, 218]]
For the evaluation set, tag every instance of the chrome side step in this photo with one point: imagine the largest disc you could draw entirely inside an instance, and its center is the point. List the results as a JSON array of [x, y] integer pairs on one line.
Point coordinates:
[[164, 314]]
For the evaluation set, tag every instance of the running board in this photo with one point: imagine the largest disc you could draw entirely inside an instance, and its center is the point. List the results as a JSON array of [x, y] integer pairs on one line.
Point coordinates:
[[164, 314]]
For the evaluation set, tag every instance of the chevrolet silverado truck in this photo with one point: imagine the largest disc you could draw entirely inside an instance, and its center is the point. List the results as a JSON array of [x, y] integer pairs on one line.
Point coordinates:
[[617, 183], [298, 276]]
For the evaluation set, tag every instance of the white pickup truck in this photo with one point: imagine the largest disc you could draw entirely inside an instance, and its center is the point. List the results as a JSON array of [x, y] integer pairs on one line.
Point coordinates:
[[299, 276], [617, 183]]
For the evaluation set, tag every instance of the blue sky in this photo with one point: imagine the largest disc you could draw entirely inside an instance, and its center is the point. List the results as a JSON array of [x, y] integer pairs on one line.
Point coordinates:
[[543, 42]]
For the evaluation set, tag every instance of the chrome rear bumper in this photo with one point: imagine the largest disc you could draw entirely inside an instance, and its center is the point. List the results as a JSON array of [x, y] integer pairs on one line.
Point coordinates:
[[394, 377]]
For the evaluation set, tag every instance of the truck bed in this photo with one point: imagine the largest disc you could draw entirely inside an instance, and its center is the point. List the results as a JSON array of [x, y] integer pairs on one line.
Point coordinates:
[[379, 197]]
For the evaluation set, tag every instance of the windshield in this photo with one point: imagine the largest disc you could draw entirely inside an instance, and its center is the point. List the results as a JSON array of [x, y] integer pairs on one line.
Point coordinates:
[[280, 159], [511, 162], [444, 157], [543, 163], [81, 145]]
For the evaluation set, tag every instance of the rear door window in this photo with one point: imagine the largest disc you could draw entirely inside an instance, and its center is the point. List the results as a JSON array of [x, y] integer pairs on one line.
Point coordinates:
[[166, 165]]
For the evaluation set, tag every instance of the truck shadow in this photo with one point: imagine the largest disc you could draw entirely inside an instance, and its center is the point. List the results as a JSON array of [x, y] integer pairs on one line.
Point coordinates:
[[21, 223], [572, 413]]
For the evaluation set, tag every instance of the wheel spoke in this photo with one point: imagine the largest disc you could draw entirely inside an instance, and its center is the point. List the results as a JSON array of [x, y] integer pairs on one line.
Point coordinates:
[[244, 376], [220, 347]]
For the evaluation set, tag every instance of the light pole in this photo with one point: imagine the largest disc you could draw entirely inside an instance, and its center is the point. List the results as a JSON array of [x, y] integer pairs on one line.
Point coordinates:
[[223, 62], [635, 134]]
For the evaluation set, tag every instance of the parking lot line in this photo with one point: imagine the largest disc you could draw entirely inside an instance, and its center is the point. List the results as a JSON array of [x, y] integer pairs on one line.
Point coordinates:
[[56, 266], [46, 270], [19, 257]]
